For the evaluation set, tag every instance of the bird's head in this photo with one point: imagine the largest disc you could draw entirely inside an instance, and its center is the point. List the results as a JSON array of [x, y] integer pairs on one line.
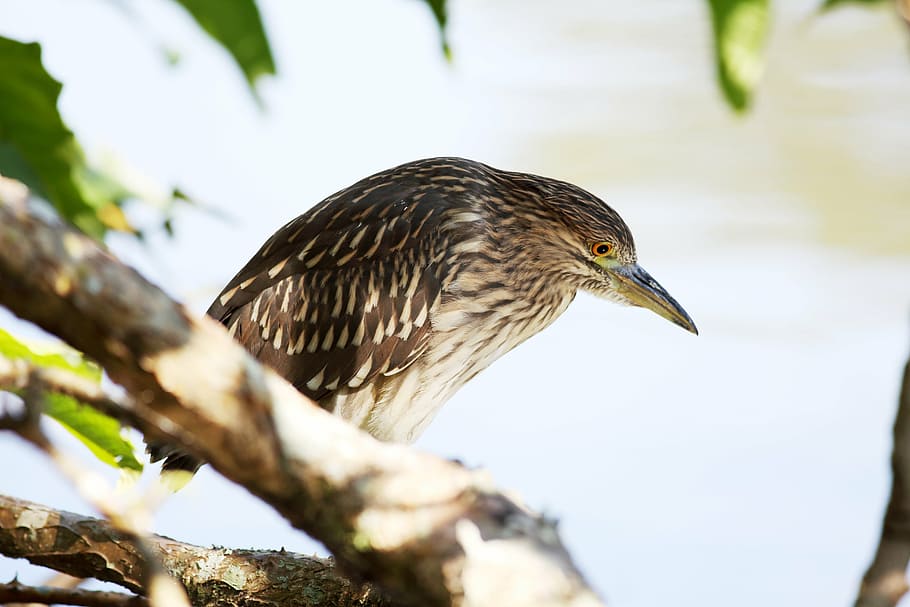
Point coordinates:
[[601, 255]]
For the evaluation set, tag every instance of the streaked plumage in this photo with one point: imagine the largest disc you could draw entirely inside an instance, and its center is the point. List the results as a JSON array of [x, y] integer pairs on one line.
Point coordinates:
[[385, 298]]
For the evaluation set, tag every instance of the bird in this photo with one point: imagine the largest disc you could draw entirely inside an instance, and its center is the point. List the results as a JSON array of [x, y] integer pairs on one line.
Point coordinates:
[[385, 298]]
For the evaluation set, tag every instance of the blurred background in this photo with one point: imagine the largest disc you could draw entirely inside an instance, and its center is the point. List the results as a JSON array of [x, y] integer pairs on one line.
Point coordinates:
[[749, 464]]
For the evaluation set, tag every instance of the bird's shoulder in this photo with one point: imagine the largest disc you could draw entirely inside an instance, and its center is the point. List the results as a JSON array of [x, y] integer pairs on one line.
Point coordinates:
[[347, 290], [323, 334], [408, 210]]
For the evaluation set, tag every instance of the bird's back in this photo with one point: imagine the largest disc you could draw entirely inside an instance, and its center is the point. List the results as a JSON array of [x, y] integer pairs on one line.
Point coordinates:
[[340, 300], [379, 302]]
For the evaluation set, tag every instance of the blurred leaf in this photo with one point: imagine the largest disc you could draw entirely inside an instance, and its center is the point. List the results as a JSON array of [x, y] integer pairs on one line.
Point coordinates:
[[440, 13], [100, 433], [740, 28], [62, 358], [829, 4], [127, 8], [237, 26], [171, 55], [111, 176]]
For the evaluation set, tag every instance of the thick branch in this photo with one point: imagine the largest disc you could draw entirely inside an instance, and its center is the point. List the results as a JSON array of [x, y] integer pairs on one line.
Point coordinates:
[[885, 581], [88, 547], [424, 529]]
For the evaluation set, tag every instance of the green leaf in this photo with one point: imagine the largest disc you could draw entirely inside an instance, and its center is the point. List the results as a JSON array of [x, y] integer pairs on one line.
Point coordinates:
[[829, 4], [100, 433], [441, 14], [740, 28], [237, 26], [39, 149], [97, 431], [36, 146]]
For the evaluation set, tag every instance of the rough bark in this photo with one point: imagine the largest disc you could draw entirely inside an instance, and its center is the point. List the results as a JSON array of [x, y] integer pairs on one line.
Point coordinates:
[[885, 581], [15, 594], [88, 547], [425, 530]]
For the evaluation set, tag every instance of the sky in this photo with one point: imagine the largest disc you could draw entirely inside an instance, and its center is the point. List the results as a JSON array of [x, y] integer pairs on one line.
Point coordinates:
[[749, 463]]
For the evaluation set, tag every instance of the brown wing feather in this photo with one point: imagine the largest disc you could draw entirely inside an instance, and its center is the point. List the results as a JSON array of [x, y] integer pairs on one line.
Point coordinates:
[[319, 353], [367, 222], [345, 291], [314, 280]]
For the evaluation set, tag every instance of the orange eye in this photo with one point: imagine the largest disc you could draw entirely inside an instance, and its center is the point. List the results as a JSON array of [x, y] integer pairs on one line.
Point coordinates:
[[602, 249]]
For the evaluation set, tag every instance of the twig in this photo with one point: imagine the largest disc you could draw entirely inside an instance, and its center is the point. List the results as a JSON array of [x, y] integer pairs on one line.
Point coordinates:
[[885, 581], [58, 580], [14, 592], [132, 519], [19, 374], [21, 377]]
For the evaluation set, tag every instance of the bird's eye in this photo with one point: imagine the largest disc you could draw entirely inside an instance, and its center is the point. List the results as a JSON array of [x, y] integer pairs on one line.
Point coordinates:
[[602, 249]]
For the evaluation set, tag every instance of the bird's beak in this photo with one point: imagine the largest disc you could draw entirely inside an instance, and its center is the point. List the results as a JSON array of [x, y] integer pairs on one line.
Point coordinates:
[[632, 282]]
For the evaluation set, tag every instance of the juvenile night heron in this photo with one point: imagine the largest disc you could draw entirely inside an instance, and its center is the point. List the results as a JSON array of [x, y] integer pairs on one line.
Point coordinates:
[[385, 298]]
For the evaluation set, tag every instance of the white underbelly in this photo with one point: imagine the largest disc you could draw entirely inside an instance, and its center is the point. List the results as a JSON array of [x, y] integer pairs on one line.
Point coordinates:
[[406, 406], [401, 407]]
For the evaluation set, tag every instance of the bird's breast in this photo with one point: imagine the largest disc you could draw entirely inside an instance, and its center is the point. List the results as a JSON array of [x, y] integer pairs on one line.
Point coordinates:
[[468, 334]]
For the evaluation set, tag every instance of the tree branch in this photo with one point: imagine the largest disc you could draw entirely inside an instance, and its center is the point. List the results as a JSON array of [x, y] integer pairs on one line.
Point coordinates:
[[18, 374], [131, 519], [885, 581], [89, 547], [14, 592], [425, 530]]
